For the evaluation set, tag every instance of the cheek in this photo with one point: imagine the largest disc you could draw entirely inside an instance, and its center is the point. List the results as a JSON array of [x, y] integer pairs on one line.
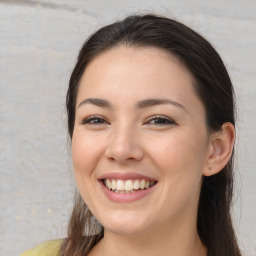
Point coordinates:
[[179, 151], [85, 155], [180, 161], [86, 152]]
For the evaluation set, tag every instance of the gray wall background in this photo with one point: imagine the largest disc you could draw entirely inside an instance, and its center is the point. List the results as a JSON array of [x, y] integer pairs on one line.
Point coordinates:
[[39, 41]]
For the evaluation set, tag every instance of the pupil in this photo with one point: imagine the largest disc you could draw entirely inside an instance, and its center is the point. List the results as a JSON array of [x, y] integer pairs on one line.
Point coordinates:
[[160, 121]]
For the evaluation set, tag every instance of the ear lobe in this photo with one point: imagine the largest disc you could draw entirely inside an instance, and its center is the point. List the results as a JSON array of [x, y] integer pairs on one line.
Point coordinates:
[[220, 149]]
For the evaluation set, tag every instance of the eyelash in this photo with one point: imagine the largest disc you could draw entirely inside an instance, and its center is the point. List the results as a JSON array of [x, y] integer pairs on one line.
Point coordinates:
[[167, 121]]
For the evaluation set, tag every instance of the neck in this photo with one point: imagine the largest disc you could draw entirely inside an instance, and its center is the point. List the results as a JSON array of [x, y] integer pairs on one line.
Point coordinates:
[[165, 240]]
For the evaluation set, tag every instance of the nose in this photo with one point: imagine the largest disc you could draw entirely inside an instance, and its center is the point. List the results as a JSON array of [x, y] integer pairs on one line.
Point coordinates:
[[124, 146]]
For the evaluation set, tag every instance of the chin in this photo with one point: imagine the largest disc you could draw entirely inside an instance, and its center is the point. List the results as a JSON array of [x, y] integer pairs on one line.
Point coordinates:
[[122, 230], [126, 225]]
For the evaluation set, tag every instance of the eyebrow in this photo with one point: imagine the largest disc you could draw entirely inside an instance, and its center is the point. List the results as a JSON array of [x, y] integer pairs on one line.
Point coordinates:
[[139, 105]]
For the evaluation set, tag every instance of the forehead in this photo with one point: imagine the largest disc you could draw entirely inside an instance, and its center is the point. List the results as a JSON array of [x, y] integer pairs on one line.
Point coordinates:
[[139, 56], [136, 72]]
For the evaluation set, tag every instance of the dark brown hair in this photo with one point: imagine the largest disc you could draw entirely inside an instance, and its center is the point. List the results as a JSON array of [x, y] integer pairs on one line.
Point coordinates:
[[213, 86]]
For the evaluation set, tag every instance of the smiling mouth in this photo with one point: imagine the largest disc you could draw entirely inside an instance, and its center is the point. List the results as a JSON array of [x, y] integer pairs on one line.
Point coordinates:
[[127, 186]]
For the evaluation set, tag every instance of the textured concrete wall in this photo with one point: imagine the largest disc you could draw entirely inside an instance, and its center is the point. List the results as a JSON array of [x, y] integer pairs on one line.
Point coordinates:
[[39, 41]]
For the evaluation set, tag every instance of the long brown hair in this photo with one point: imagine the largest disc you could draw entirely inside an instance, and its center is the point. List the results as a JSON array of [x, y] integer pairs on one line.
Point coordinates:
[[213, 86]]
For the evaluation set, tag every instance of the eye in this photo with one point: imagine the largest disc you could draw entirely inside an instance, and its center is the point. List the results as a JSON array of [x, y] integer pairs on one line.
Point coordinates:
[[96, 120], [161, 120]]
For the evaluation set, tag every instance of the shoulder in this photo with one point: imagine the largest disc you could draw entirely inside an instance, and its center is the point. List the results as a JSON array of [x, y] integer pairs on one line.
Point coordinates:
[[49, 248]]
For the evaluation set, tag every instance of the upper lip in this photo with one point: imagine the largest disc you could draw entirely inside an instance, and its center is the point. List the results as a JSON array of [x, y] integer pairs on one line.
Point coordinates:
[[125, 176]]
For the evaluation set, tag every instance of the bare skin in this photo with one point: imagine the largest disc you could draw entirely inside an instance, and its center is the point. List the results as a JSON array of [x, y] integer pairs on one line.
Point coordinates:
[[177, 152], [150, 245]]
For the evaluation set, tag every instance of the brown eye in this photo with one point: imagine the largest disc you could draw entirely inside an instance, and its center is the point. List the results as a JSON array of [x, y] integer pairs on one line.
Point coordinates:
[[160, 120], [94, 120]]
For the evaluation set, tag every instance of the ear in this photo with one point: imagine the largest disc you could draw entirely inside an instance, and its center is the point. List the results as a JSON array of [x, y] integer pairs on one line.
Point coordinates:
[[220, 149]]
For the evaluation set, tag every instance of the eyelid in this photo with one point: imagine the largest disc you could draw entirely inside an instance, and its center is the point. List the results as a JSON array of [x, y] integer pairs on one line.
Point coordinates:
[[161, 117], [170, 120], [90, 118]]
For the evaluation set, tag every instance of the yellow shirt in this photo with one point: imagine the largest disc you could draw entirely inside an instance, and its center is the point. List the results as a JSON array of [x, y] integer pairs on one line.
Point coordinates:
[[50, 248]]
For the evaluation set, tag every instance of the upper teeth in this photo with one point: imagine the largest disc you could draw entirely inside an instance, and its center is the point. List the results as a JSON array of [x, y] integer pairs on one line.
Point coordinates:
[[127, 185]]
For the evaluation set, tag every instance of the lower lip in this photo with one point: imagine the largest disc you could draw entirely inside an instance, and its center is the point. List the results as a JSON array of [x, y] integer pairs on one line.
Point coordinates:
[[123, 197]]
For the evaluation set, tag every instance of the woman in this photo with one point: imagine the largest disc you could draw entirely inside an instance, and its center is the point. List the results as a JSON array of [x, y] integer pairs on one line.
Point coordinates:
[[151, 120]]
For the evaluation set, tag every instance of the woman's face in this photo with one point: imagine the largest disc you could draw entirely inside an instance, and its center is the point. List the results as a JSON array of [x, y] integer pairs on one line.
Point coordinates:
[[139, 123]]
